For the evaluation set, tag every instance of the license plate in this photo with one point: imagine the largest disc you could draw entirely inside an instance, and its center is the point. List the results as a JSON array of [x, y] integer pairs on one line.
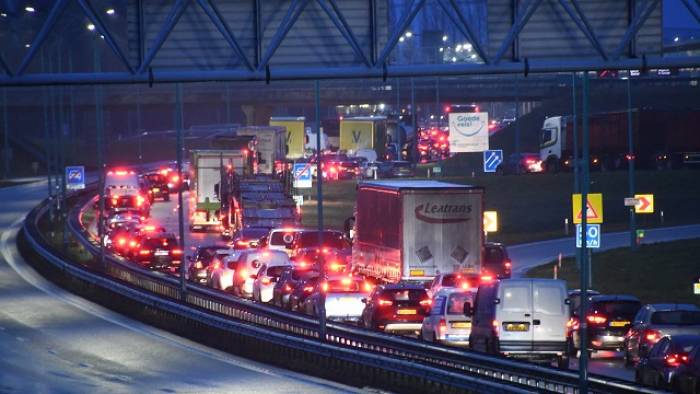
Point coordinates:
[[517, 327], [161, 253], [461, 324], [406, 312], [619, 323]]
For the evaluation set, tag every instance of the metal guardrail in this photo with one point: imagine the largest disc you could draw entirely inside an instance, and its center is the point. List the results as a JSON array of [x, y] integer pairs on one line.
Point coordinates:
[[454, 367]]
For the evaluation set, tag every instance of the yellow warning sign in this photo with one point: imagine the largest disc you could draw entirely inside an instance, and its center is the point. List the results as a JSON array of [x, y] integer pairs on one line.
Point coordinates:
[[594, 211], [645, 203], [490, 221]]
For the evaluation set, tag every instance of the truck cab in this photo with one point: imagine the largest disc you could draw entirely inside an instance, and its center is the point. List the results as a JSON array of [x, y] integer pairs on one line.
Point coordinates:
[[551, 142]]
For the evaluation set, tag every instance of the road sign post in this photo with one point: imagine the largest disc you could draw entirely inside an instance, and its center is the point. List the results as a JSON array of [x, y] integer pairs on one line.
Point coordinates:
[[492, 159], [585, 263]]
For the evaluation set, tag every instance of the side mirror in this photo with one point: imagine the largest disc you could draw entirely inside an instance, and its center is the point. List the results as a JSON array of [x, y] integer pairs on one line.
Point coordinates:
[[253, 244], [468, 309], [364, 300], [567, 301], [496, 301]]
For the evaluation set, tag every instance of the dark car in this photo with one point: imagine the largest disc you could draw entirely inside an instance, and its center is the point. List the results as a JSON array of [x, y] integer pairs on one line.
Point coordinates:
[[665, 360], [609, 317], [157, 251], [655, 321], [197, 270], [332, 239], [496, 261], [521, 163], [287, 282], [335, 261], [122, 240], [157, 185], [396, 169], [249, 237], [396, 308], [687, 379], [302, 290]]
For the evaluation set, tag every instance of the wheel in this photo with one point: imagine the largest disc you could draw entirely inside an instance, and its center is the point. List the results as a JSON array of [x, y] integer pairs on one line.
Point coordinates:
[[570, 348], [563, 362], [552, 165], [433, 339], [628, 359]]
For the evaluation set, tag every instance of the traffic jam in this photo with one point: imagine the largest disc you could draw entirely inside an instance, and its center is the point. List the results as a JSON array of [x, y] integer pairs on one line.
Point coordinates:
[[412, 261]]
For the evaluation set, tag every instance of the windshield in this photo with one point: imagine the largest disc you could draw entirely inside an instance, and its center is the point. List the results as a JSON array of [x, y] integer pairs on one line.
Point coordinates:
[[547, 136], [345, 285], [153, 243], [253, 233], [280, 238], [331, 239], [156, 178], [455, 305], [405, 295], [276, 271], [677, 318]]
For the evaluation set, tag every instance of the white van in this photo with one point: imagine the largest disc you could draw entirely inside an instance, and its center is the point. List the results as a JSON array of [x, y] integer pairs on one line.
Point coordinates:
[[523, 318]]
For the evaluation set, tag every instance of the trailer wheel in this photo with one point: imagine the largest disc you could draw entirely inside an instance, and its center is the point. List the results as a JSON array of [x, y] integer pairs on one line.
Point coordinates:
[[552, 165]]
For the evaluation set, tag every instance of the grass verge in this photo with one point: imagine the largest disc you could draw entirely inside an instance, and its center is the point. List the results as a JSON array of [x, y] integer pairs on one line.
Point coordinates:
[[661, 272], [533, 207]]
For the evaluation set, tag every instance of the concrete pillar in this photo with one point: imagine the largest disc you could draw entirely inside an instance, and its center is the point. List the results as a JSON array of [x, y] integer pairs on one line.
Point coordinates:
[[256, 115]]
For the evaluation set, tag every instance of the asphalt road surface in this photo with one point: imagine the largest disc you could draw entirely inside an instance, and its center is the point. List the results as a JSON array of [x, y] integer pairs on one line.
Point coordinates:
[[52, 341]]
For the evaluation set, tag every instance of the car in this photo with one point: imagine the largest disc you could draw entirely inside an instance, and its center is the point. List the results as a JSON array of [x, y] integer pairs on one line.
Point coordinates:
[[249, 264], [303, 289], [222, 268], [157, 251], [665, 359], [310, 239], [335, 261], [521, 318], [521, 163], [123, 203], [608, 318], [575, 300], [249, 237], [267, 277], [446, 322], [496, 262], [121, 240], [687, 379], [396, 169], [396, 308], [290, 278], [341, 296], [654, 321], [198, 263], [280, 239], [157, 186], [455, 279]]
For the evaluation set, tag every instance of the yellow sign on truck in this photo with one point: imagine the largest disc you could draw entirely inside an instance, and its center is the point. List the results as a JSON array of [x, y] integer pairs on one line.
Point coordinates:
[[363, 133], [296, 137]]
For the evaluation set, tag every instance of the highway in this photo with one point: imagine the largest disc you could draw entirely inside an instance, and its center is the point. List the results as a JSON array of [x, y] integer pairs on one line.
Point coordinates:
[[53, 341]]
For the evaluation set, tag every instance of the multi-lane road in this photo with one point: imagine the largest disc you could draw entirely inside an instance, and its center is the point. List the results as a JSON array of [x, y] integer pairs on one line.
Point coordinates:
[[53, 341]]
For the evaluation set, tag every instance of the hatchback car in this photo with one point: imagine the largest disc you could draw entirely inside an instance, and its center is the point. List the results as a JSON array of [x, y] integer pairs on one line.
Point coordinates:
[[609, 317], [454, 279], [198, 263], [496, 261], [446, 322], [290, 278], [342, 297], [655, 321], [157, 251], [687, 379], [303, 289], [267, 277], [249, 264], [157, 185], [396, 308], [665, 360]]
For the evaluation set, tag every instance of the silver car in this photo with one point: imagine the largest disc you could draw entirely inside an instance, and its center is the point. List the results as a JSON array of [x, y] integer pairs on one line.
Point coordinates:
[[446, 322], [655, 321]]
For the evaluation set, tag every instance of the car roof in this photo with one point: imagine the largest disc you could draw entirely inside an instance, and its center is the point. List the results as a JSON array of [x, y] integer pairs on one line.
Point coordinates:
[[341, 276], [685, 339], [446, 291], [401, 286], [672, 307], [614, 297]]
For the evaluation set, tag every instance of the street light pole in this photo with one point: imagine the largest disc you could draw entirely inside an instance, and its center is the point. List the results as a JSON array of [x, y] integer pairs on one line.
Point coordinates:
[[630, 164], [180, 207], [319, 200], [585, 262]]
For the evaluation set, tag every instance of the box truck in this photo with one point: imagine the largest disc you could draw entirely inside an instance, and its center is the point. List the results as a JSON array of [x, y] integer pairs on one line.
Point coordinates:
[[213, 175], [662, 140], [271, 146], [414, 230], [296, 137], [362, 133]]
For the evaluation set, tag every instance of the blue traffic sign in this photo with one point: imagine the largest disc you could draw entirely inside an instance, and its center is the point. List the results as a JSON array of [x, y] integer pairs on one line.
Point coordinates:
[[302, 175], [75, 177], [492, 159], [592, 236]]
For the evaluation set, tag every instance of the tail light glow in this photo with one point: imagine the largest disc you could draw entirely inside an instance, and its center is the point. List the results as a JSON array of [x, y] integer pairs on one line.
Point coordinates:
[[383, 302], [265, 281], [324, 287], [287, 288], [368, 287], [144, 252], [652, 336], [308, 289], [676, 359], [177, 252], [596, 319], [486, 278], [442, 329]]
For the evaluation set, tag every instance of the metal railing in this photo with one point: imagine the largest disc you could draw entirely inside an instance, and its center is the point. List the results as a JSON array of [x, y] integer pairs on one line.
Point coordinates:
[[450, 366]]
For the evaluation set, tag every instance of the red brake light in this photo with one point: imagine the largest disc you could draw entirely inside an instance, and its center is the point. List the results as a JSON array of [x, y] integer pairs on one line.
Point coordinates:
[[175, 178], [676, 359], [508, 264], [486, 278], [426, 302], [652, 336], [324, 287], [287, 288], [198, 265], [368, 287], [121, 241], [308, 289], [383, 302], [442, 328], [335, 267], [596, 319], [177, 252], [465, 285], [144, 252], [265, 281], [132, 243]]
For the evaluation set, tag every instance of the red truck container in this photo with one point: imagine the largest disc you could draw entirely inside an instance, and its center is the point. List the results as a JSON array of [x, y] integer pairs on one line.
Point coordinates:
[[662, 140]]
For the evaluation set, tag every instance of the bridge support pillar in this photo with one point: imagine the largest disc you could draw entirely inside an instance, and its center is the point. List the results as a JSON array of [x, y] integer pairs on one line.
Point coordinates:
[[256, 114]]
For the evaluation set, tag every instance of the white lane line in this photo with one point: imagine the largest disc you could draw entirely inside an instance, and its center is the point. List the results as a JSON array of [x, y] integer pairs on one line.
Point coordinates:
[[32, 277]]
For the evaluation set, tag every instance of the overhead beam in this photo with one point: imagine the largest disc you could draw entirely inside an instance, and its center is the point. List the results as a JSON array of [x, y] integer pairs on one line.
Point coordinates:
[[50, 21], [692, 10], [295, 9], [344, 28], [633, 29], [515, 30], [455, 14], [217, 19], [357, 72], [583, 25], [102, 29], [405, 23], [173, 17]]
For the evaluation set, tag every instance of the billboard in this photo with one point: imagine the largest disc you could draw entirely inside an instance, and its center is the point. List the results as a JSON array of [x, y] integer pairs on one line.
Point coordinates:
[[469, 132]]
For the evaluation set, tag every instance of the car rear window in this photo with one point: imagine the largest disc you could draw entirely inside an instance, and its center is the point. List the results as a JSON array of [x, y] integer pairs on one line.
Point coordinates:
[[493, 256], [549, 300], [275, 271], [330, 240], [455, 305], [344, 286], [676, 318], [516, 298], [278, 238], [405, 295], [617, 308], [153, 243]]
